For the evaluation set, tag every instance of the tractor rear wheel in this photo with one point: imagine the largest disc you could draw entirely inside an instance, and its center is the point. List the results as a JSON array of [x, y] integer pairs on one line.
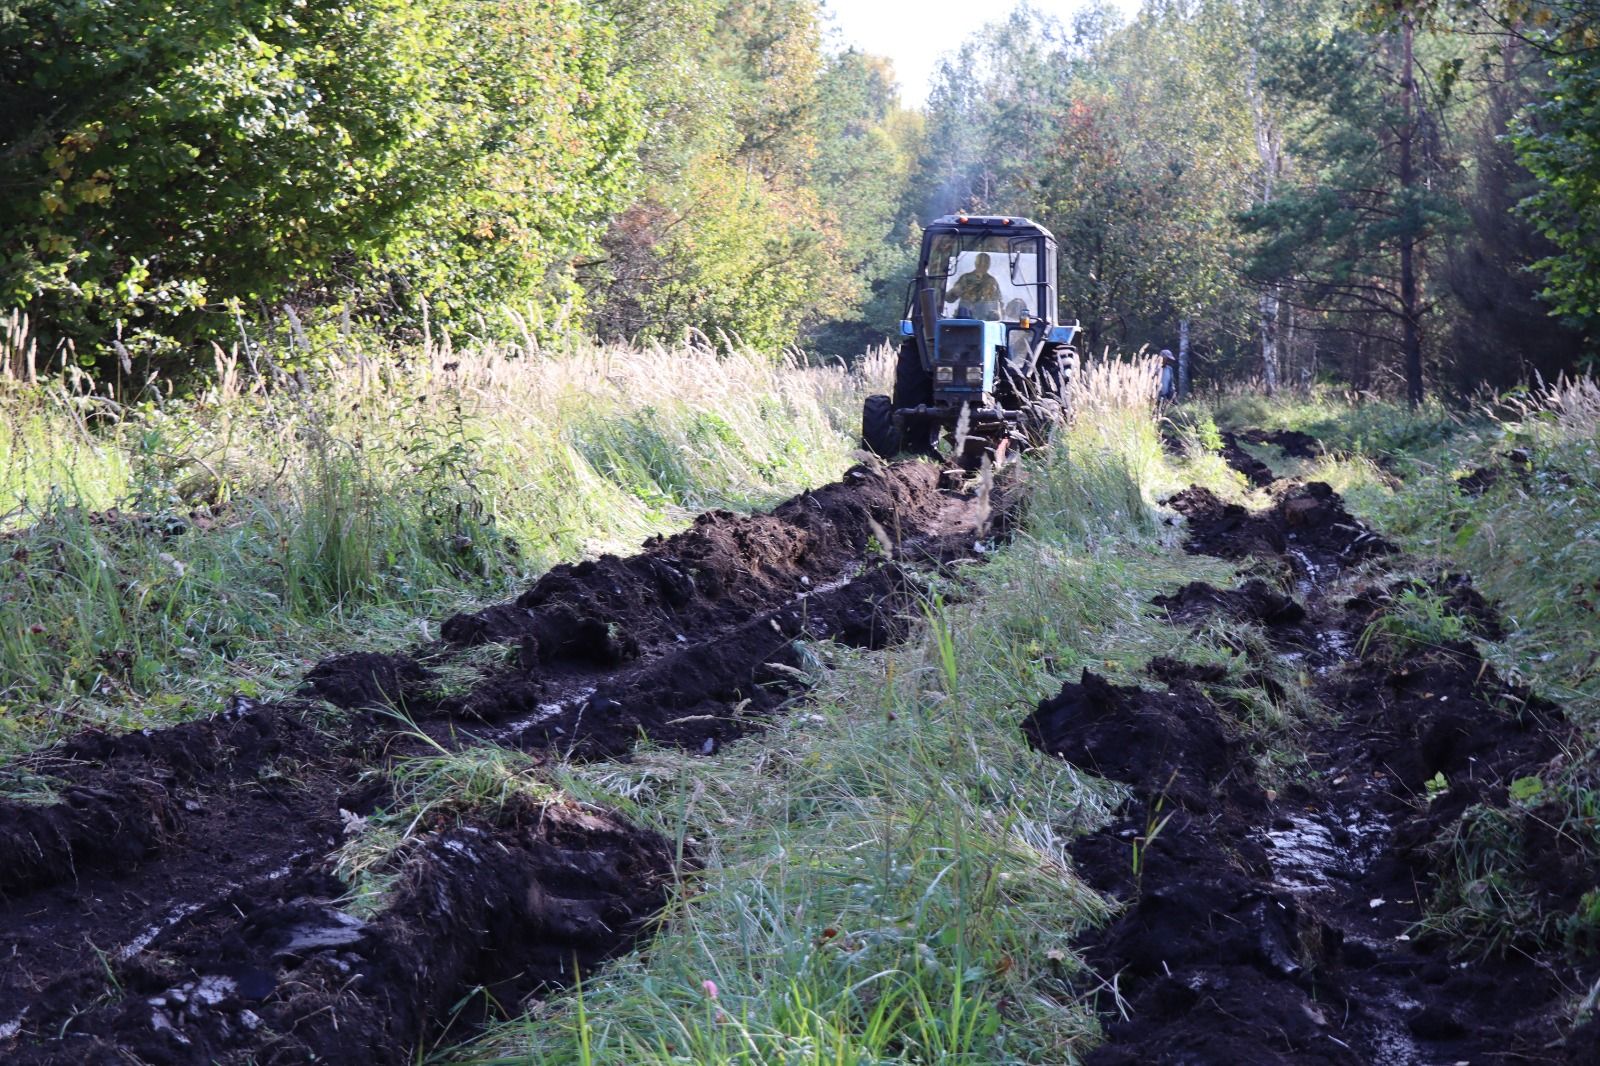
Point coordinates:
[[1039, 420], [1052, 371], [878, 433]]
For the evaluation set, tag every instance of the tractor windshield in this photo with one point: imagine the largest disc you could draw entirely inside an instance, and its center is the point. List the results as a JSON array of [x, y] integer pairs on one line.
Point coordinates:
[[991, 276]]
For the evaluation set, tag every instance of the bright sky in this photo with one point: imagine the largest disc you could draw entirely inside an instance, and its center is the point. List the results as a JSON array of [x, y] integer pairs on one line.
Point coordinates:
[[914, 33]]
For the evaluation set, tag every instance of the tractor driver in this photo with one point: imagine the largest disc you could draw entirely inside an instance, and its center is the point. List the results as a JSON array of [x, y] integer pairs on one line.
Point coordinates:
[[976, 293]]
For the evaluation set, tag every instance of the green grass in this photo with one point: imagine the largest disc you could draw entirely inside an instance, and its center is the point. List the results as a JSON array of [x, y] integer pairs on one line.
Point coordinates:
[[434, 789], [883, 874], [1370, 426]]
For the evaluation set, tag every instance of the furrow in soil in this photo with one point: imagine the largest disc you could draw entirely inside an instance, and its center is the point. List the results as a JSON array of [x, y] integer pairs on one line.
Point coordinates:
[[176, 905], [1265, 926]]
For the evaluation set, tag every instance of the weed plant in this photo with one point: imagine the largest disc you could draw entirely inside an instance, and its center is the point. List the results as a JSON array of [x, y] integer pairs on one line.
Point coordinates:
[[430, 791]]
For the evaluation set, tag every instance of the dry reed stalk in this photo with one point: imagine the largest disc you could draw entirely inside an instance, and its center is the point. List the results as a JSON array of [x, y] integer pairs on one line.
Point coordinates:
[[1105, 385]]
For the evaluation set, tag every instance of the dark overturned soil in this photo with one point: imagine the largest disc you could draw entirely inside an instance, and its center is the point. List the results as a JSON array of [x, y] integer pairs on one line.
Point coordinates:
[[176, 905], [719, 572], [1307, 527], [1170, 746], [1517, 464], [278, 973], [1292, 443], [1255, 471], [1264, 927], [1254, 601], [692, 641]]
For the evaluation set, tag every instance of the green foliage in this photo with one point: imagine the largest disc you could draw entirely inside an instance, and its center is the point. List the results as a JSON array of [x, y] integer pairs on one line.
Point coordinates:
[[639, 168], [866, 148], [1525, 790], [174, 168], [1416, 620], [1196, 429], [738, 262], [1135, 144], [774, 213], [1557, 143], [1351, 240]]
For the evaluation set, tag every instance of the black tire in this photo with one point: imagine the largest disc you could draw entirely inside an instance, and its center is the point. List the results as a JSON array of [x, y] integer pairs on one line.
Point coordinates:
[[913, 386], [1040, 420], [1051, 374], [877, 426]]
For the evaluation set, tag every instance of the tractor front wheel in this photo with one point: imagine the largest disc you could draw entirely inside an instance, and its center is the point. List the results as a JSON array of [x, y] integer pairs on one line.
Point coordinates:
[[878, 433], [913, 386]]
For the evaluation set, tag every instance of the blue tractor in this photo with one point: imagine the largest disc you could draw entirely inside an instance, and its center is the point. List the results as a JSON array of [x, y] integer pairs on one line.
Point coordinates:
[[983, 353]]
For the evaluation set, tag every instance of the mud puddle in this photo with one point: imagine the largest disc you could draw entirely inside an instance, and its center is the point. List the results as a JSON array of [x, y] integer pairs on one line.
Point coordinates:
[[1282, 926], [176, 906]]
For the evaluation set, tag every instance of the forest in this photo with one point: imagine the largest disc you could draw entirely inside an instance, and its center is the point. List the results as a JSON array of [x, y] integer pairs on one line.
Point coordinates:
[[1383, 195], [562, 532]]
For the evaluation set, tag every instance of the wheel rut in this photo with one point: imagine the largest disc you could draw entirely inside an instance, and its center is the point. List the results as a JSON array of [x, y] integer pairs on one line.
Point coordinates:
[[175, 903], [1282, 926]]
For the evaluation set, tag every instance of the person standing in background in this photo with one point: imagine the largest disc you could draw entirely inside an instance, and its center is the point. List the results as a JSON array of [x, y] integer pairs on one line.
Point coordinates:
[[1169, 376]]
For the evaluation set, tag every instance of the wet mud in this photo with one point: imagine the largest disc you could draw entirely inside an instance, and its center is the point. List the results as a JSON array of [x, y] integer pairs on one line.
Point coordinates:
[[1254, 601], [1306, 527], [175, 903], [705, 693], [367, 680], [1281, 926], [1168, 745], [275, 972], [693, 641], [124, 797]]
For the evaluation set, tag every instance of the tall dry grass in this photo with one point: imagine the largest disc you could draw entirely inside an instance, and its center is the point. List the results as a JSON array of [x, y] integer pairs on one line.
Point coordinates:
[[168, 548]]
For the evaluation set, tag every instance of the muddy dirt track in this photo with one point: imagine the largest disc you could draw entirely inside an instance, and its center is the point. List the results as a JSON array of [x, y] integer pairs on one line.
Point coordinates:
[[176, 904], [1266, 927]]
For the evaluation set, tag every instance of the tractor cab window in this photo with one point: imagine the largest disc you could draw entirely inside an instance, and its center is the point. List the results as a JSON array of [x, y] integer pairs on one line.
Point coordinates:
[[985, 276]]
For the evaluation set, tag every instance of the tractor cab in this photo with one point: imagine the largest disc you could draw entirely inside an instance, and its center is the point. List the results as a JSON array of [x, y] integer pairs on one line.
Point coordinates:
[[981, 335], [983, 285]]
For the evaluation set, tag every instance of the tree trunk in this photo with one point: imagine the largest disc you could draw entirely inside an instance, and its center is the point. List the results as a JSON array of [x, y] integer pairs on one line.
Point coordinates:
[[1269, 338], [1183, 357], [1290, 357], [1270, 152], [1409, 310]]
